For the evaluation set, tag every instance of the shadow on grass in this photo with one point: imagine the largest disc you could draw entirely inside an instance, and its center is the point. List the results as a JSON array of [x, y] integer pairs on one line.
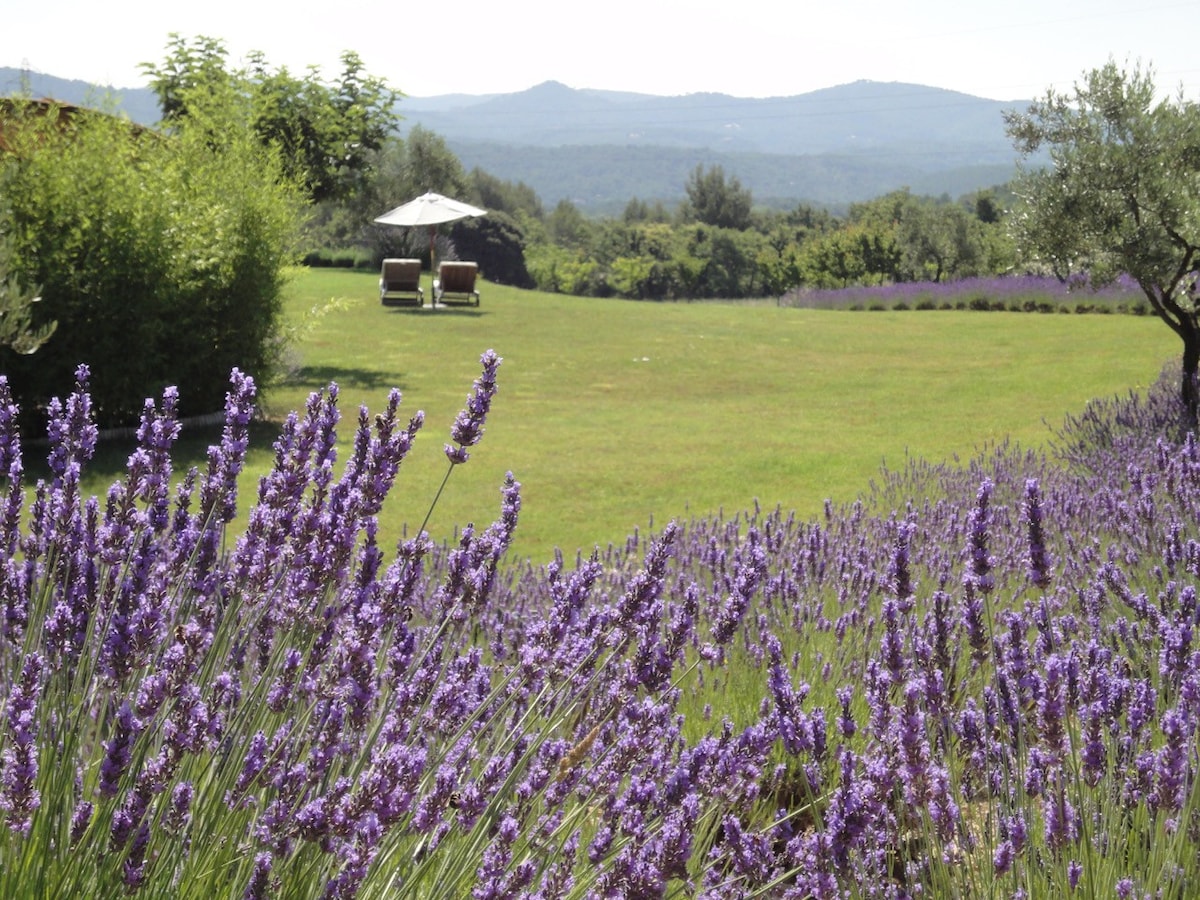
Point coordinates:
[[317, 378], [473, 312]]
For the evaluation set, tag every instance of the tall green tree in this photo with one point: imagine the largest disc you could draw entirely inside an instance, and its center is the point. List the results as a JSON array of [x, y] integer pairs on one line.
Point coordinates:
[[568, 227], [326, 134], [716, 200], [1121, 193]]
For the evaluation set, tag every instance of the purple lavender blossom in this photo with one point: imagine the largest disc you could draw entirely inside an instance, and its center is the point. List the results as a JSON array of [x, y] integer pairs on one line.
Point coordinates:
[[19, 797], [1039, 556], [133, 867], [10, 432], [750, 856], [259, 886], [179, 810], [1061, 819], [81, 818], [1074, 871], [979, 561], [468, 426], [913, 743], [892, 649], [149, 466], [1052, 706], [118, 750], [1002, 859], [899, 575], [973, 614], [71, 431], [795, 728], [1172, 771], [218, 490], [751, 562], [846, 723], [493, 880]]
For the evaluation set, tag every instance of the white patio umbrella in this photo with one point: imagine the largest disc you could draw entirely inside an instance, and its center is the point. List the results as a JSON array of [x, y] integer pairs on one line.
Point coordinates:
[[430, 210]]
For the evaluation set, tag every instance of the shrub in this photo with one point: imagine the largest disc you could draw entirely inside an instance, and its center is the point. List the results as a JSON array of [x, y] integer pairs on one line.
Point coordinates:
[[338, 259], [162, 259], [17, 301], [496, 242]]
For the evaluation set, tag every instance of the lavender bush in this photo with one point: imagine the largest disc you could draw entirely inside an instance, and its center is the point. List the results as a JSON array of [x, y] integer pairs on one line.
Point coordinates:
[[1016, 293], [980, 680]]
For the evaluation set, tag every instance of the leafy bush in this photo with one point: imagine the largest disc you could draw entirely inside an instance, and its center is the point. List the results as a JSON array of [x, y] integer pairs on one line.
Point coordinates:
[[496, 242], [339, 259], [161, 259], [17, 301], [1028, 293]]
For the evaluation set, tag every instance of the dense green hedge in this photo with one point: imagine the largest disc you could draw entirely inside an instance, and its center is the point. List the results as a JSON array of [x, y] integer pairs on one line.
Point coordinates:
[[162, 259]]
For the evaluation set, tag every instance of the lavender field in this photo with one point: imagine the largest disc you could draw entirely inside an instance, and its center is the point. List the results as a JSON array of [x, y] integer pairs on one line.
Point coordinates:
[[981, 680], [1010, 293]]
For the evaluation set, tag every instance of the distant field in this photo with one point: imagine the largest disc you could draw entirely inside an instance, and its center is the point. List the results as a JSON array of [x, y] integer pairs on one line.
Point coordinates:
[[615, 415]]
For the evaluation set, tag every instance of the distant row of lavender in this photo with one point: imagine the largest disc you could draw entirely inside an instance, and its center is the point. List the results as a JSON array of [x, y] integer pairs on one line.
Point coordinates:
[[982, 680], [1020, 293]]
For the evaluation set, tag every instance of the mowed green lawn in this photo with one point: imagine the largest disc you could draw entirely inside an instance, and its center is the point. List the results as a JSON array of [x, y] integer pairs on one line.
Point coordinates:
[[616, 415]]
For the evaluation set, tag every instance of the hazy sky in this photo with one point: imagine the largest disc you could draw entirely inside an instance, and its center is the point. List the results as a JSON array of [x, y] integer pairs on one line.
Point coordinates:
[[747, 48]]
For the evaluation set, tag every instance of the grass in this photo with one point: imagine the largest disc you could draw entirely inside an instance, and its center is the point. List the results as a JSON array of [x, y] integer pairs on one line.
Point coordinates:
[[617, 416]]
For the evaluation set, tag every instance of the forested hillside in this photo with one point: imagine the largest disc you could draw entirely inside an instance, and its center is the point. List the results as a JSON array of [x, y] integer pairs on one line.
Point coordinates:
[[601, 179], [600, 148]]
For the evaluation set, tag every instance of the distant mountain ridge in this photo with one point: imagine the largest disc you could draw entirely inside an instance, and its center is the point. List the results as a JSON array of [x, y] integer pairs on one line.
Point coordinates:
[[139, 103], [850, 117], [600, 149]]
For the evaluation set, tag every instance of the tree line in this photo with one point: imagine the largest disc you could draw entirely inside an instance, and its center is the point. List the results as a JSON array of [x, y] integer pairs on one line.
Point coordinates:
[[338, 143], [716, 244]]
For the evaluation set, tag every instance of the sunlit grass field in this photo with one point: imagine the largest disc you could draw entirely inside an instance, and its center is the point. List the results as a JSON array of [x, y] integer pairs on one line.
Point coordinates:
[[616, 416]]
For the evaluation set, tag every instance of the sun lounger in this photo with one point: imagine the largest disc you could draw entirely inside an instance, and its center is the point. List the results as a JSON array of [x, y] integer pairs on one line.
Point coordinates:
[[400, 283], [456, 282]]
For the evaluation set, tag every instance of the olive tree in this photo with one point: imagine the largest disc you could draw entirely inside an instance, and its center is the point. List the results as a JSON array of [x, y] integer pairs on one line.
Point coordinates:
[[1120, 194]]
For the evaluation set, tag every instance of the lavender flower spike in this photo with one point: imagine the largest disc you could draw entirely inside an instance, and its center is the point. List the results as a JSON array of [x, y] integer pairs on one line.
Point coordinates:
[[19, 796], [468, 426], [1039, 556]]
